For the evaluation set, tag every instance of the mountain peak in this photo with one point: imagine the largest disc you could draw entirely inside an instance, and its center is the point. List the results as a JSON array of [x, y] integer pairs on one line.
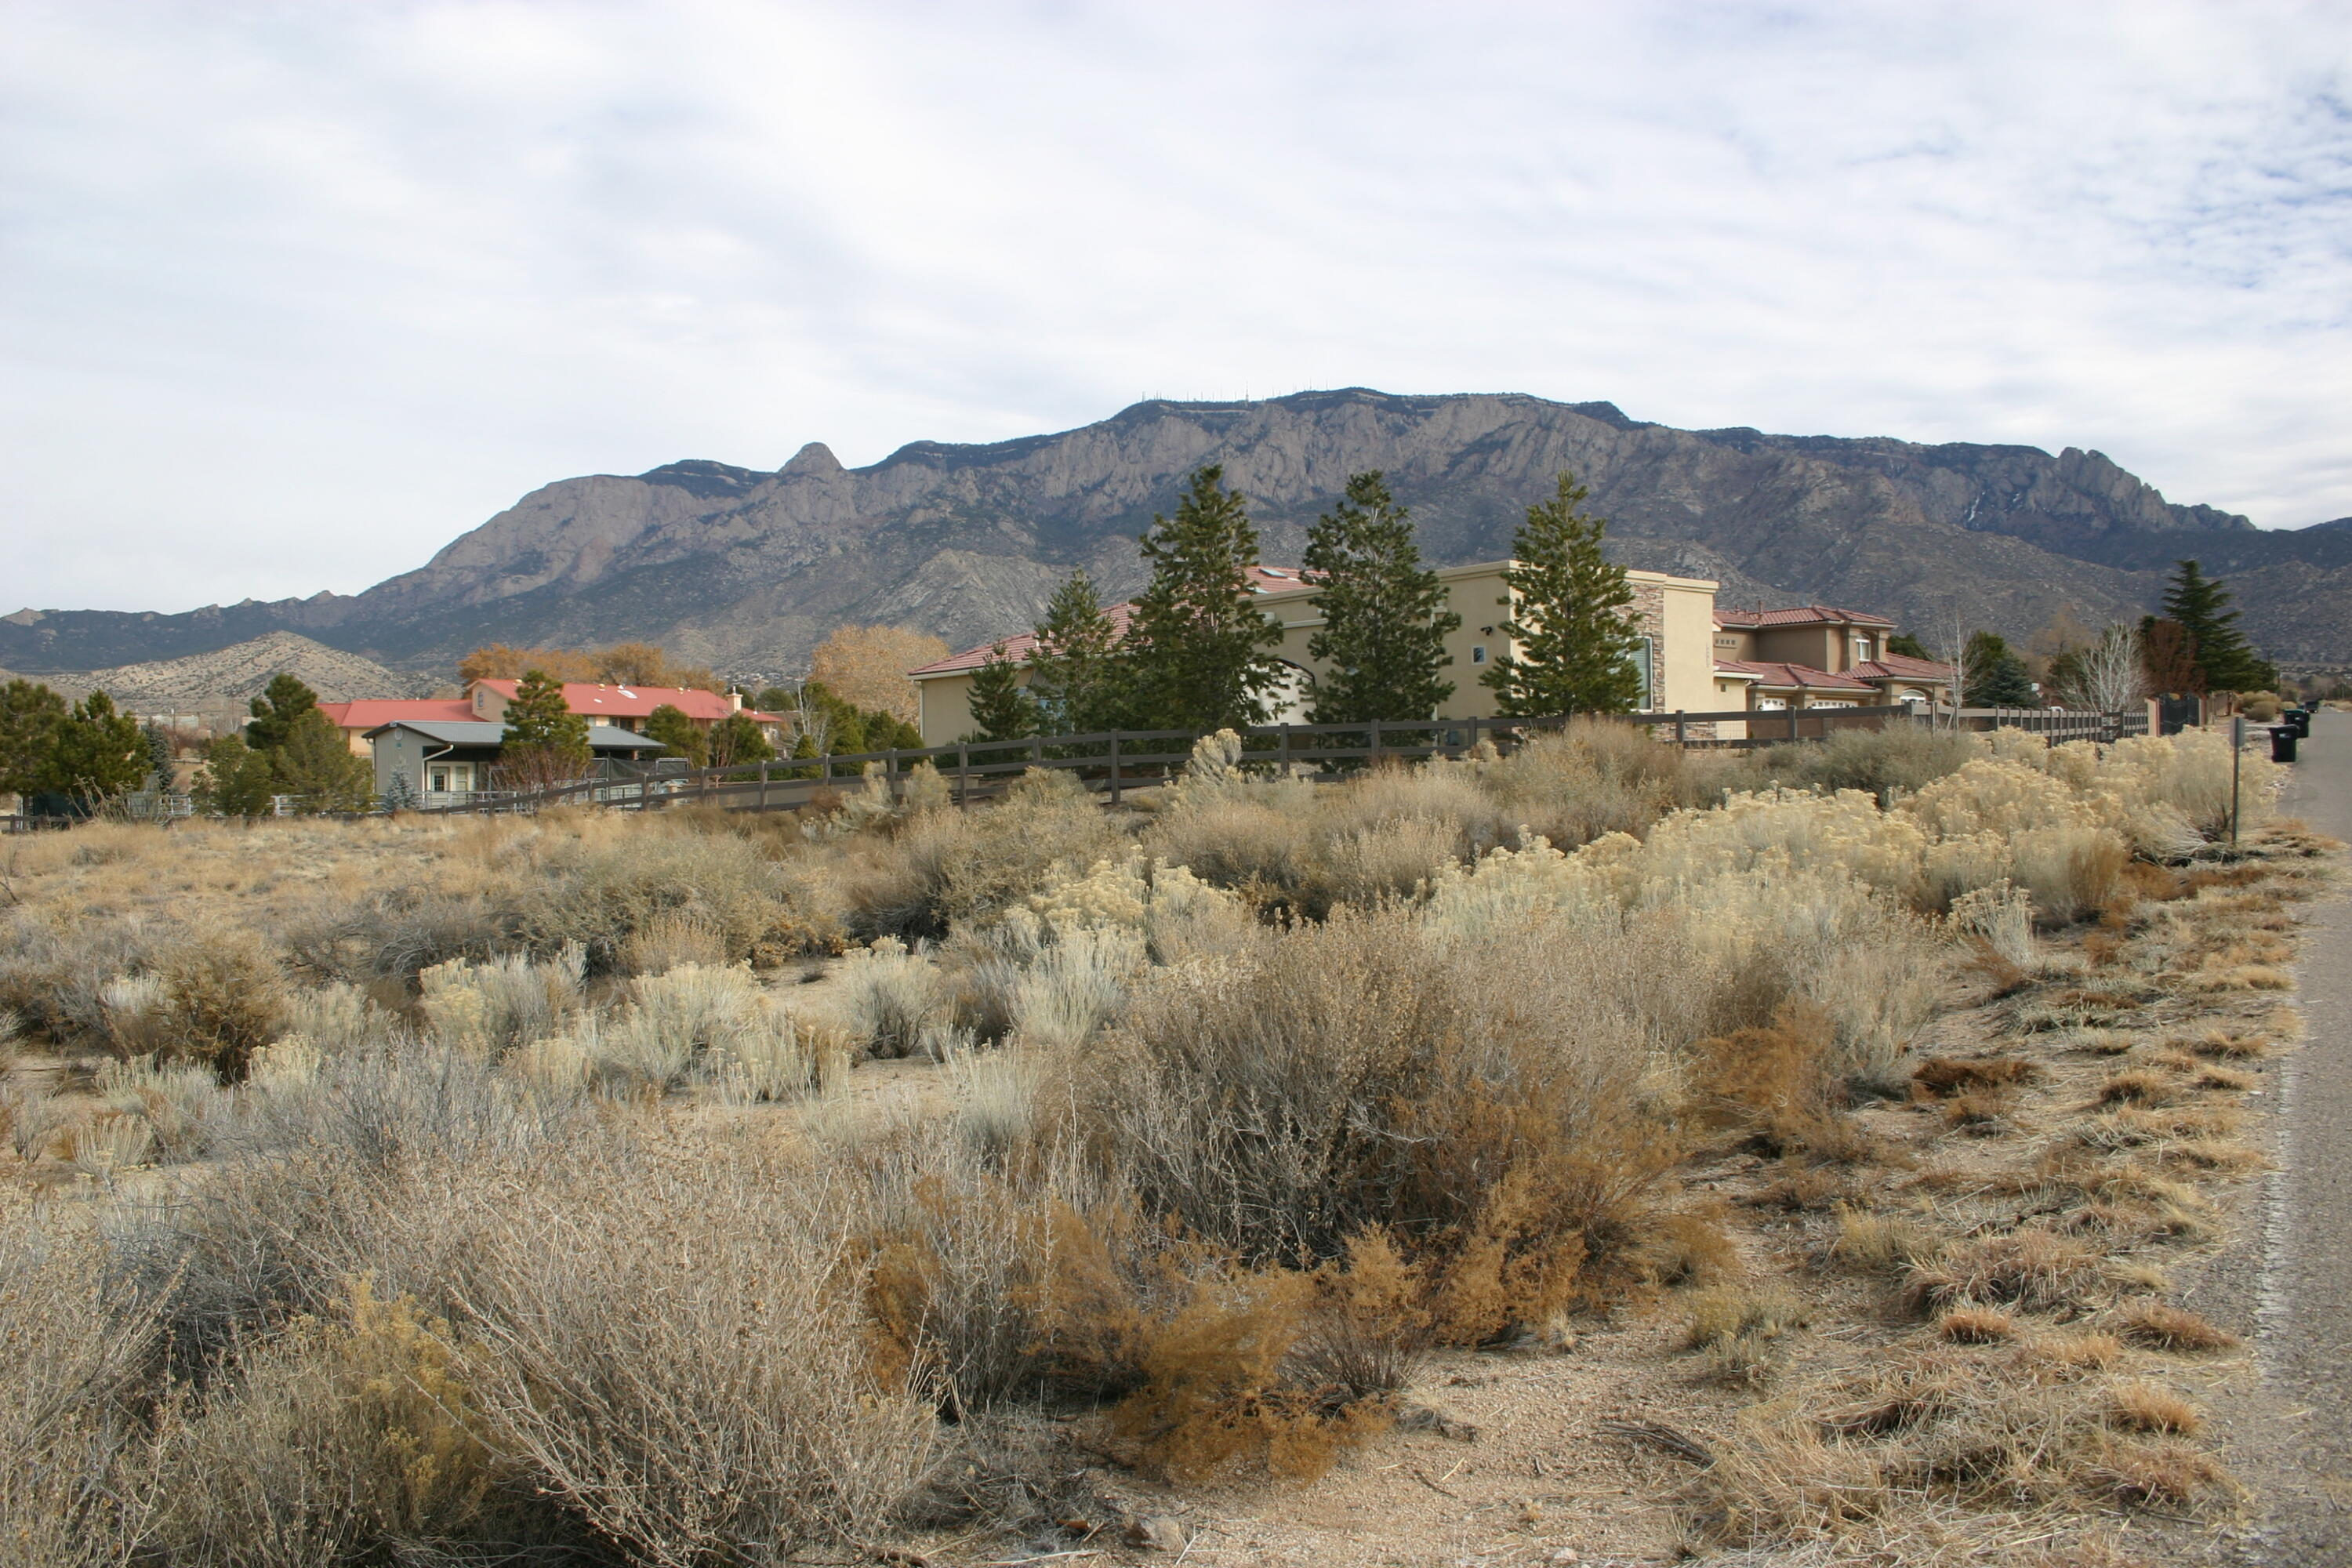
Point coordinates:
[[815, 460]]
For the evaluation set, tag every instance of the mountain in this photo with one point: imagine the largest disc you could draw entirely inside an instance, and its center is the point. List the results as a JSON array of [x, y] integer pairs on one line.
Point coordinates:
[[222, 681], [746, 569]]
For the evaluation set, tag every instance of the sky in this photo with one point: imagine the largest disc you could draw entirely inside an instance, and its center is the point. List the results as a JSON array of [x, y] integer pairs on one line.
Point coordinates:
[[293, 293]]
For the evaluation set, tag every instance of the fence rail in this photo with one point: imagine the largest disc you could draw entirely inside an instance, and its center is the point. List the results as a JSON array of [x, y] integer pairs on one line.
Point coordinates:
[[1110, 763]]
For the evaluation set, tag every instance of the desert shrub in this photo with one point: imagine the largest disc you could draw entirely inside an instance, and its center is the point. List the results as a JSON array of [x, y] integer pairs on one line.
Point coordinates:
[[1776, 1082], [694, 1022], [672, 939], [1384, 860], [941, 868], [337, 1438], [1596, 777], [224, 998], [2033, 1271], [496, 1006], [601, 889], [1741, 1333], [184, 1106], [1902, 757], [895, 999], [79, 1354], [56, 964], [738, 1419], [1478, 1102], [397, 933], [134, 1007], [338, 1017], [1233, 839]]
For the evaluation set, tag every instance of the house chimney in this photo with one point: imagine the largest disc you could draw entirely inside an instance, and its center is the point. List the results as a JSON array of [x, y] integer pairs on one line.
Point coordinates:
[[734, 700]]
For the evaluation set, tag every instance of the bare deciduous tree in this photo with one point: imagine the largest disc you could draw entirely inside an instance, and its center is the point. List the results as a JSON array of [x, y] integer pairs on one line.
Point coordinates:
[[2110, 675]]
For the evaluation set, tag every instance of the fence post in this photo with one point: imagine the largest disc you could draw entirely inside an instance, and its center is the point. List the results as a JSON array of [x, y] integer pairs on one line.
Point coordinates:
[[1792, 723], [963, 774], [1284, 751], [1375, 758], [824, 775], [1114, 767], [1036, 750], [1682, 730], [891, 774], [763, 786]]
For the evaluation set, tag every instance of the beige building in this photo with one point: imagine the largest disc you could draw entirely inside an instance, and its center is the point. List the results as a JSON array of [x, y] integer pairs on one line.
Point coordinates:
[[1675, 617], [1814, 656]]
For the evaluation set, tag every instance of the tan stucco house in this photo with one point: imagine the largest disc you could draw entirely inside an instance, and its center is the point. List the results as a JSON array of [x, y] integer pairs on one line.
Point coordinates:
[[1814, 656]]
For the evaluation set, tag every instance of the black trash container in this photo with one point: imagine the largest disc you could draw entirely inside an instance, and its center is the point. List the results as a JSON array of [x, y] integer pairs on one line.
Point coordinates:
[[2301, 719], [2283, 743]]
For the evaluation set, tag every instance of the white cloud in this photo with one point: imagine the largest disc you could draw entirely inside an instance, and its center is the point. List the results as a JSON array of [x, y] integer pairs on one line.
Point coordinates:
[[289, 295]]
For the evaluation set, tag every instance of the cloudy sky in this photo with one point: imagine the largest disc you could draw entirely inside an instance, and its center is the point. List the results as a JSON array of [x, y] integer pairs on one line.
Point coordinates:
[[292, 293]]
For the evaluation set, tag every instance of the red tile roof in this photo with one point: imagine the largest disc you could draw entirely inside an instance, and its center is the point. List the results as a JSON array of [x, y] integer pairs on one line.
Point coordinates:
[[634, 701], [367, 712], [1902, 666], [1799, 615], [1797, 677]]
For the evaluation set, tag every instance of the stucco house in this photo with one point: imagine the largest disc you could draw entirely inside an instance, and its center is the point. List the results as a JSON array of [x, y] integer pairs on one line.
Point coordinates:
[[628, 707], [438, 759], [1675, 617], [1814, 656]]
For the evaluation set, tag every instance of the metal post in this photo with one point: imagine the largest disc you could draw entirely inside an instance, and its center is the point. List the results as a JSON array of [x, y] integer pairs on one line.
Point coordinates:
[[2237, 749], [826, 775], [1114, 767]]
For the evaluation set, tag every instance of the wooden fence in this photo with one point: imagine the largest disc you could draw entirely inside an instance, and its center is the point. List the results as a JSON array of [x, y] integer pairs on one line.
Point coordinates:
[[1111, 763]]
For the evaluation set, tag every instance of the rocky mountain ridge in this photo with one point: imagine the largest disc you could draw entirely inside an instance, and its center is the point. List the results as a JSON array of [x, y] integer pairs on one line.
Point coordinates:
[[747, 569]]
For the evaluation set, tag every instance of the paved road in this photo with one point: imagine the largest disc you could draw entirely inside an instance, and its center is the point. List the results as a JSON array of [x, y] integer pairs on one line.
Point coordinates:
[[2303, 1480]]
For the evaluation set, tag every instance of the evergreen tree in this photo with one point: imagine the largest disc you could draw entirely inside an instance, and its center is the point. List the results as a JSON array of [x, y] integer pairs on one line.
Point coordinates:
[[546, 742], [1996, 676], [98, 752], [281, 702], [1907, 646], [159, 755], [30, 716], [1196, 648], [1075, 673], [738, 740], [236, 780], [2201, 606], [315, 765], [1567, 612], [676, 733], [1000, 709], [539, 718], [1384, 616]]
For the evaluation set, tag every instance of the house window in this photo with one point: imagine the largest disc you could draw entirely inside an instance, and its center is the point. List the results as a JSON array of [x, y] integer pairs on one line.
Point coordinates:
[[1478, 653], [1820, 702], [1862, 650], [1770, 705], [448, 778]]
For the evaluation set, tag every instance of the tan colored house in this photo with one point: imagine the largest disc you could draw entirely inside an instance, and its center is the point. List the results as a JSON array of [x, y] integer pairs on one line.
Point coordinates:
[[1813, 655], [356, 719], [1674, 614]]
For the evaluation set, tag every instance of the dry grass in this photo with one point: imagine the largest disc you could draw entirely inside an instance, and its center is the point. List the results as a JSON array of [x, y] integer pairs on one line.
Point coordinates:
[[2167, 1327], [2033, 1270], [1977, 1326]]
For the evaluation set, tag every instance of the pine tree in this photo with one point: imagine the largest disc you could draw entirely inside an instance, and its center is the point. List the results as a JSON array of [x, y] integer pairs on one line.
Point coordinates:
[[315, 765], [2201, 606], [30, 716], [1996, 676], [1384, 616], [1196, 647], [737, 740], [1566, 613], [159, 755], [281, 702], [1907, 646], [1073, 669], [98, 752], [236, 780], [1000, 709], [676, 731], [546, 743]]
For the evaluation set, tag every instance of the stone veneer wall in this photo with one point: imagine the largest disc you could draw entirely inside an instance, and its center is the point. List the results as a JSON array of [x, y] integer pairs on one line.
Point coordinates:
[[1650, 620]]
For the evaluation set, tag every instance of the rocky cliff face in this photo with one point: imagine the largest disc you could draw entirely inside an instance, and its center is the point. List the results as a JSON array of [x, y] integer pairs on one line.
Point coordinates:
[[748, 569]]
